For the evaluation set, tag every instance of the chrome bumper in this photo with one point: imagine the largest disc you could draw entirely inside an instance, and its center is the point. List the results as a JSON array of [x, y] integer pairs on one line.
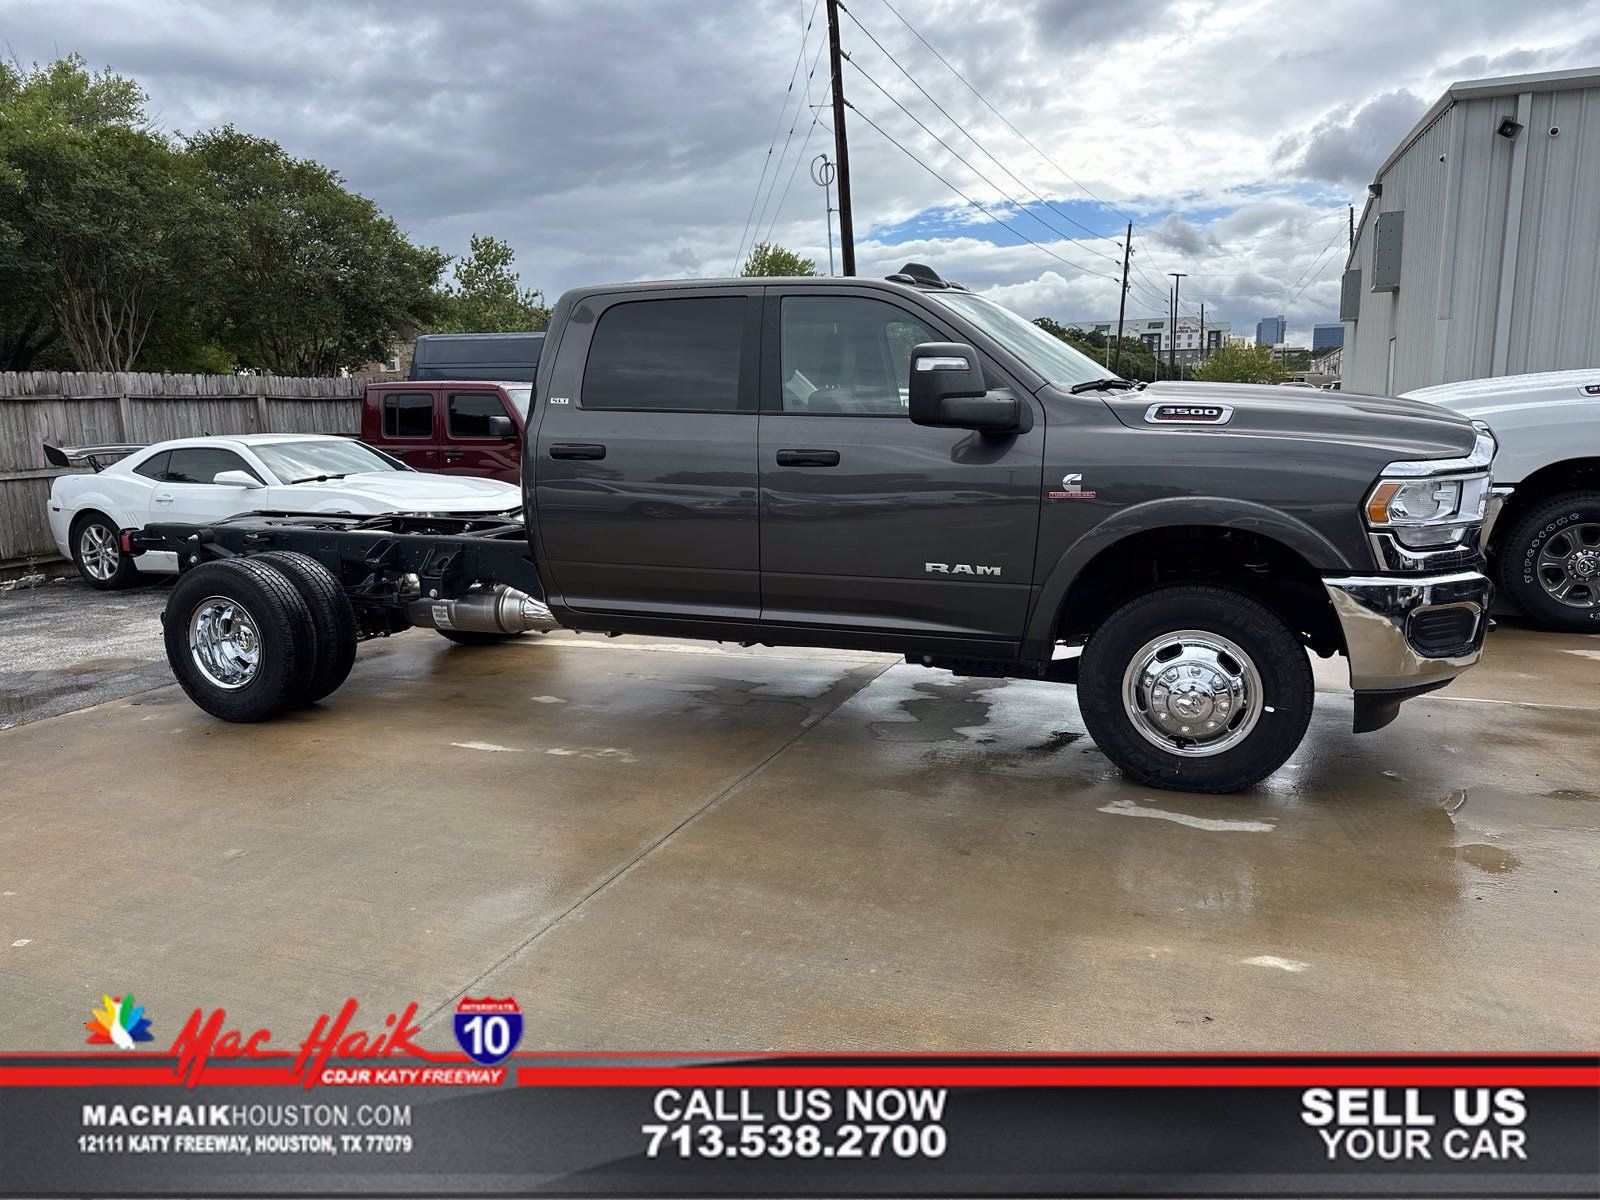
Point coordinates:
[[1410, 634], [1498, 496]]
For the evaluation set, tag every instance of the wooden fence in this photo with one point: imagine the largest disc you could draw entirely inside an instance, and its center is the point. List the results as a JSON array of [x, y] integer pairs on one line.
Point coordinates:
[[90, 408]]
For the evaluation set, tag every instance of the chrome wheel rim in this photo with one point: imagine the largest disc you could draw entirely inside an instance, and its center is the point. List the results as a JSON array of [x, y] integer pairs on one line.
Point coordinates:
[[224, 642], [1193, 693], [97, 547], [1569, 566]]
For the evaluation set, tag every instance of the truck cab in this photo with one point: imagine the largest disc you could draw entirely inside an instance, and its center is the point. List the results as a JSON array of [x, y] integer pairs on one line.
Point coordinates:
[[451, 427]]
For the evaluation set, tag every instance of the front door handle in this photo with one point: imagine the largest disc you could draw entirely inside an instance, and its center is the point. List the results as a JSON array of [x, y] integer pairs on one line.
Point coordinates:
[[452, 455], [808, 458], [164, 498], [584, 450]]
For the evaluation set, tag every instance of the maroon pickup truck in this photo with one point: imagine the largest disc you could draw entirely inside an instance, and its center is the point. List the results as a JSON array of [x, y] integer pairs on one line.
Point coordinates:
[[467, 427]]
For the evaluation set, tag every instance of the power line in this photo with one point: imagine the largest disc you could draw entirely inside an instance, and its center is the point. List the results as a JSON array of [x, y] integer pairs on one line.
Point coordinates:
[[1314, 262], [971, 137], [985, 100], [801, 154], [997, 220], [961, 159], [772, 143]]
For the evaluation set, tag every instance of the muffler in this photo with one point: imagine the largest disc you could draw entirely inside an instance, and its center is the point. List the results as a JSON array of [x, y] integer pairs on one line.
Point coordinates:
[[496, 609]]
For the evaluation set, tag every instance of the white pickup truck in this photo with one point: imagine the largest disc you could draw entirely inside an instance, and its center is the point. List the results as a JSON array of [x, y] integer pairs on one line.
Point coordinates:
[[1545, 545]]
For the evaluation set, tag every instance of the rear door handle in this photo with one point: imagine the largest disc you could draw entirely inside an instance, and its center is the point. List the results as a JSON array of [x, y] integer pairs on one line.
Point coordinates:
[[455, 454], [586, 450], [808, 458]]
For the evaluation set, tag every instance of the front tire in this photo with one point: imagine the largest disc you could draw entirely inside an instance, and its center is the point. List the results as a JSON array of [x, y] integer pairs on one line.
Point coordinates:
[[1549, 564], [1196, 688], [239, 639], [97, 553]]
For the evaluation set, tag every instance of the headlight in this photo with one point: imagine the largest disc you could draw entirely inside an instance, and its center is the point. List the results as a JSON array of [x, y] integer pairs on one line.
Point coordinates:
[[1430, 503]]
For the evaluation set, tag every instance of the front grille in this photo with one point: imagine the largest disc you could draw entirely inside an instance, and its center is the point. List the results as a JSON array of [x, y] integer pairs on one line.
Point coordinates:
[[1443, 631]]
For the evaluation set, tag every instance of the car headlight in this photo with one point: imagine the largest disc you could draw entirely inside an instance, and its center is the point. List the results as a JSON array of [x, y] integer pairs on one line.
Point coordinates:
[[1430, 503]]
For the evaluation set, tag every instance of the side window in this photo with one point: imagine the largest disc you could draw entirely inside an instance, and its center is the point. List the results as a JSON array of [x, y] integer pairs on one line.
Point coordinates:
[[408, 415], [469, 413], [668, 356], [847, 356], [154, 467], [202, 464]]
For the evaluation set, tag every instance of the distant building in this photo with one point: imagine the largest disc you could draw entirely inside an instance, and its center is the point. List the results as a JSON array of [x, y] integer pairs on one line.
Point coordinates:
[[1478, 251], [1156, 333], [1327, 337], [1270, 331]]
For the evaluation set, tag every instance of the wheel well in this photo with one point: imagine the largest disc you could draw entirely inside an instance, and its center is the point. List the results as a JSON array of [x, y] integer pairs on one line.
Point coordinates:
[[1570, 475], [84, 515], [1251, 562]]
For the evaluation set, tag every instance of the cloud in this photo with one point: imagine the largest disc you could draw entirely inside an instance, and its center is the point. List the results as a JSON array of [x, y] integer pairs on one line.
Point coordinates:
[[1182, 236], [1349, 145], [613, 140]]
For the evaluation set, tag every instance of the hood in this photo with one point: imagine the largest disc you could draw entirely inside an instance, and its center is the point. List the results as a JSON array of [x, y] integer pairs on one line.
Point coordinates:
[[1487, 399], [416, 491], [1399, 428]]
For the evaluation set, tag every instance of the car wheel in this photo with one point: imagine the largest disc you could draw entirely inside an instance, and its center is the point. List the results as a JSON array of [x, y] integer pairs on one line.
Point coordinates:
[[1196, 688], [1549, 564], [239, 639], [333, 620], [98, 554]]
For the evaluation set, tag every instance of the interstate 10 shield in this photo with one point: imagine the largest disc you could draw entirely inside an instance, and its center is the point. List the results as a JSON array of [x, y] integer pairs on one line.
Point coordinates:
[[488, 1029]]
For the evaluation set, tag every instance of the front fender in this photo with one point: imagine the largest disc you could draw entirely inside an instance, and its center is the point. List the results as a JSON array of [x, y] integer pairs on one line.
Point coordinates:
[[1170, 512]]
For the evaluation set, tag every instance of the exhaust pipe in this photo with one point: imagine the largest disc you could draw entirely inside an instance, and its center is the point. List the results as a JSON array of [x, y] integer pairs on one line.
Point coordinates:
[[496, 609]]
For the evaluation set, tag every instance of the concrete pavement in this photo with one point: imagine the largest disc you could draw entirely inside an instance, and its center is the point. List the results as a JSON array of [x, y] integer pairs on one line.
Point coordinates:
[[674, 845]]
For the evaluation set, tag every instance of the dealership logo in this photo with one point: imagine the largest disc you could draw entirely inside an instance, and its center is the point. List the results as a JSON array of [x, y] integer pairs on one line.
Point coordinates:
[[488, 1029], [120, 1023]]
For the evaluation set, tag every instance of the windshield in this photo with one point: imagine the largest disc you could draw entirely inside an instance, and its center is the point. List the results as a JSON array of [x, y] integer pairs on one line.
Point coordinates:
[[1058, 362], [297, 462], [522, 397]]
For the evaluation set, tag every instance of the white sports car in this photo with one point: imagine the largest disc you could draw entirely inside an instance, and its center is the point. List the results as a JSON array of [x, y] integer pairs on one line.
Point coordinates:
[[205, 479]]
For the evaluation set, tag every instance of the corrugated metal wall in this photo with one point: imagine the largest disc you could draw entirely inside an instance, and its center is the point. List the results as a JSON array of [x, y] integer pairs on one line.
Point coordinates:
[[1555, 315], [1455, 186], [85, 409]]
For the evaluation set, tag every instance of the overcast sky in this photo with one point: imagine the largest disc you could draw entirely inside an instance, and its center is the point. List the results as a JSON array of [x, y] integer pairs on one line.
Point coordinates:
[[610, 141]]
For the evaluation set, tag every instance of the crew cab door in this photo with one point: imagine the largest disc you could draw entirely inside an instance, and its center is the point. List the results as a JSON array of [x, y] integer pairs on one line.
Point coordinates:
[[869, 522], [644, 462]]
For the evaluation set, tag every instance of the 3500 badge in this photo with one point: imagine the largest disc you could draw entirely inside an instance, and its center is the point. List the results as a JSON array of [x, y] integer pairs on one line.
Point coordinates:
[[488, 1029]]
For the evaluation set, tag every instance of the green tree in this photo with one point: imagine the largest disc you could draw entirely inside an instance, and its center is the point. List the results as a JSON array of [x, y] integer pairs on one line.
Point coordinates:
[[488, 296], [1241, 364], [768, 260], [1134, 362], [100, 222], [316, 278]]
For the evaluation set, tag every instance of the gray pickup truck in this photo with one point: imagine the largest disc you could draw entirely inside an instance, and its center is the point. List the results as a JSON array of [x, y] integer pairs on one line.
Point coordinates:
[[902, 465]]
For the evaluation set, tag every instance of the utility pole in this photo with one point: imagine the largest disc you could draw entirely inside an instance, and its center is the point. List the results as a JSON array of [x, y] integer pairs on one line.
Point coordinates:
[[1172, 350], [1202, 331], [1352, 227], [1122, 303], [841, 147]]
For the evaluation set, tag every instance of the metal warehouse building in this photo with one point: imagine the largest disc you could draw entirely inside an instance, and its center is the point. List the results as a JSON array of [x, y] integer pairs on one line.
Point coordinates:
[[1478, 251]]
